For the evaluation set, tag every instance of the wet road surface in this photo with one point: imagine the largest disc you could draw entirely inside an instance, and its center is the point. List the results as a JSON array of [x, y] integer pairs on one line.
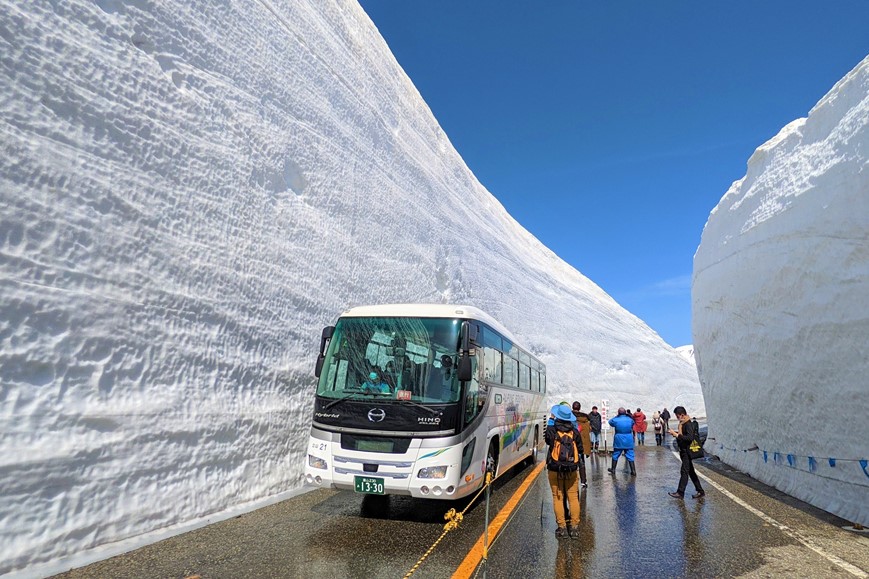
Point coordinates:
[[629, 527]]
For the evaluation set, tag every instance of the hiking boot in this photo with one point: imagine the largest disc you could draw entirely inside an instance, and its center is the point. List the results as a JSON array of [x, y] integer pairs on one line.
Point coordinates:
[[584, 485], [677, 495], [633, 468], [573, 532], [698, 494], [561, 532]]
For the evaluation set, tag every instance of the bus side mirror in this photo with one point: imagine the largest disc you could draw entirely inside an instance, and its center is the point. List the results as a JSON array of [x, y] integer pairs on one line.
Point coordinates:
[[463, 372], [325, 337], [463, 369]]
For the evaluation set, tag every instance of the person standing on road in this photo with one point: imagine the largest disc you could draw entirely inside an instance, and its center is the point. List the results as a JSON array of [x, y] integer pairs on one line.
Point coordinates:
[[594, 420], [623, 441], [658, 426], [563, 441], [665, 416], [640, 427], [583, 424], [684, 435]]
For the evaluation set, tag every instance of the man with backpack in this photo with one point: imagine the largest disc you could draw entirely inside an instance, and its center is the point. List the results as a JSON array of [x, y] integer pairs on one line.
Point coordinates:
[[562, 462], [688, 432]]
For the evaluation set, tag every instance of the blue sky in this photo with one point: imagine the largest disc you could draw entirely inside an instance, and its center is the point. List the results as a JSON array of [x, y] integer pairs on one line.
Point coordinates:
[[611, 129]]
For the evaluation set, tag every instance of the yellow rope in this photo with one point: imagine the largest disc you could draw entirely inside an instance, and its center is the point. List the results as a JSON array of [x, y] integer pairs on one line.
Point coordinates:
[[453, 520]]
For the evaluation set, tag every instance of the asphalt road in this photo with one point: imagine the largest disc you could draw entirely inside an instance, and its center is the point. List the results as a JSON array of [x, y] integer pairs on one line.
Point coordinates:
[[629, 527]]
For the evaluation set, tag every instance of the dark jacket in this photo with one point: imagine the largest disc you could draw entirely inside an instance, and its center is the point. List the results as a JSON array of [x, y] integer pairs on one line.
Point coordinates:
[[687, 430], [594, 420]]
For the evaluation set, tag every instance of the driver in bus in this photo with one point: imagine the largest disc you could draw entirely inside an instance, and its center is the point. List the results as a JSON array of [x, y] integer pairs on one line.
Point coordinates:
[[441, 380], [375, 385]]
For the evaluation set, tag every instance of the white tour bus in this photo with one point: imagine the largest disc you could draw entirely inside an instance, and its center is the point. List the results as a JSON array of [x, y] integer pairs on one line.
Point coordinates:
[[419, 399]]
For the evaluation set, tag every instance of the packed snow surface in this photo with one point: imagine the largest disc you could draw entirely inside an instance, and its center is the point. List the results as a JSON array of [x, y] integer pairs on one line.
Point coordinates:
[[190, 191], [781, 308]]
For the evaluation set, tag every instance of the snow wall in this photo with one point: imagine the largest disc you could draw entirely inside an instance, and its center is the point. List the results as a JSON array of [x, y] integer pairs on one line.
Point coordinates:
[[781, 308], [190, 191]]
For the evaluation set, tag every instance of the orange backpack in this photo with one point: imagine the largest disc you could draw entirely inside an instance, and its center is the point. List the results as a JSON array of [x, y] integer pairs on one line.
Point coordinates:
[[564, 454]]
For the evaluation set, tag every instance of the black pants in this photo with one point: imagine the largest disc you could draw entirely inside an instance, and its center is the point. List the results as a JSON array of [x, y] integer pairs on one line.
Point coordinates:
[[687, 471]]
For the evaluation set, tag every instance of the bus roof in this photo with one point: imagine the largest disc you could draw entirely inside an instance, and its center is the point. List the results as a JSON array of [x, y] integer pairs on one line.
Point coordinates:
[[428, 311]]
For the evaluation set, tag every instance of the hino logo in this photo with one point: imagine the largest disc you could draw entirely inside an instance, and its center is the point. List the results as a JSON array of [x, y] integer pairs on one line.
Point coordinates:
[[376, 415]]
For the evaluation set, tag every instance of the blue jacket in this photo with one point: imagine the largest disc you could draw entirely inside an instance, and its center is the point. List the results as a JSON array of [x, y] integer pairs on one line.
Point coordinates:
[[624, 427]]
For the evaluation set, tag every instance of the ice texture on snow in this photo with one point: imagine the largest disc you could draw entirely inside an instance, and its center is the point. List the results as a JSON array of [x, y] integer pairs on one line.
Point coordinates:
[[781, 308], [190, 191]]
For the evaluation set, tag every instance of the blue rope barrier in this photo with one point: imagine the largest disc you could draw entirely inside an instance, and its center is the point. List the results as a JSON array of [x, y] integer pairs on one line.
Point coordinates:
[[793, 459]]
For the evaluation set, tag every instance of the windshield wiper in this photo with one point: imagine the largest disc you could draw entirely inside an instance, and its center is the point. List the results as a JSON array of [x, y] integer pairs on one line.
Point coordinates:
[[342, 399], [349, 396], [418, 405]]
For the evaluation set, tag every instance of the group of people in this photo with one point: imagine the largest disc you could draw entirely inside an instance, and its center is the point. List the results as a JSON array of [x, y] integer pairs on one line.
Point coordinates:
[[572, 435], [660, 426]]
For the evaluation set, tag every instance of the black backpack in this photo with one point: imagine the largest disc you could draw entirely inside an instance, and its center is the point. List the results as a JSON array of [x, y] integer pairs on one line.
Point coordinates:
[[564, 456]]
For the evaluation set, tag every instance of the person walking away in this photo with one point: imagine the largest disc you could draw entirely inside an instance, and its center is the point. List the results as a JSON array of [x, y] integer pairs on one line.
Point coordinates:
[[623, 440], [658, 426], [640, 426], [687, 429], [562, 463], [594, 420], [583, 423], [665, 416]]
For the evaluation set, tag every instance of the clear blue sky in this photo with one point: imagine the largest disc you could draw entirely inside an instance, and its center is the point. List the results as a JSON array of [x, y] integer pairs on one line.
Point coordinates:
[[611, 129]]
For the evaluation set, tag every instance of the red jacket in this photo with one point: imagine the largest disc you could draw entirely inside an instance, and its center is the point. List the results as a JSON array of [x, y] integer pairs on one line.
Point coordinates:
[[639, 422]]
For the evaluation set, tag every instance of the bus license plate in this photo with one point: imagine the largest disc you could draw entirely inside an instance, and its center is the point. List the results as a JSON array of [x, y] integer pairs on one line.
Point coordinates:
[[369, 485]]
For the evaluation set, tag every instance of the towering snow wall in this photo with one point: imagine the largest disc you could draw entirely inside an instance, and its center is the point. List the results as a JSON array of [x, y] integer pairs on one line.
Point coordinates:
[[781, 308], [190, 191]]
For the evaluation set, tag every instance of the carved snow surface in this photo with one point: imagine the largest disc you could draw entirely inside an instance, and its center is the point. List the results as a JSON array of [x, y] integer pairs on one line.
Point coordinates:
[[781, 308], [190, 191]]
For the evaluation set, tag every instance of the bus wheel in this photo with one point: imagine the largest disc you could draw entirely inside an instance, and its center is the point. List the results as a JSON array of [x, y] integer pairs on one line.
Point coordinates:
[[492, 458]]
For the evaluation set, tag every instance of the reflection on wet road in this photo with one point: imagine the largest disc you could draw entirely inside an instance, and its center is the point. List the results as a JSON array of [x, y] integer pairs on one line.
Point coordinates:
[[629, 527]]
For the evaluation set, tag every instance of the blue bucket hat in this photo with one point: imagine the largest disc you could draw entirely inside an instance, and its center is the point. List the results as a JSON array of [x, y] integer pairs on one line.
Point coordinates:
[[562, 412]]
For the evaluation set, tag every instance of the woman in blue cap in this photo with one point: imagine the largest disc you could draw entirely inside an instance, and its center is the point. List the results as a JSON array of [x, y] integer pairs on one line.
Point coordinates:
[[562, 461], [623, 441]]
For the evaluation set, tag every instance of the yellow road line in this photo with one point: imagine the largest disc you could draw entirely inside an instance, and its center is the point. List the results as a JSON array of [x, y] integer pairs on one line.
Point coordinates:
[[475, 555]]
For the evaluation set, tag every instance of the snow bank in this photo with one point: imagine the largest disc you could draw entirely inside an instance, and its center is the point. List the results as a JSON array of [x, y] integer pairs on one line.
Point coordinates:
[[781, 308]]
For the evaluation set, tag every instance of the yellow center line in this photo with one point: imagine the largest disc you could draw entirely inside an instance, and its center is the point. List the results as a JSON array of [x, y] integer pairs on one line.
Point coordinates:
[[475, 555]]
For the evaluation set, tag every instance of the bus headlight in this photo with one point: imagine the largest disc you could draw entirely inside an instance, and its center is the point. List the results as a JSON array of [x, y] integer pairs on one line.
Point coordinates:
[[433, 472], [317, 462]]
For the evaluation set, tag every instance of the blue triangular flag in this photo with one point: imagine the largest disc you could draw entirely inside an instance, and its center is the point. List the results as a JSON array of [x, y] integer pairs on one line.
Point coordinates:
[[792, 460], [764, 456], [865, 463], [833, 462]]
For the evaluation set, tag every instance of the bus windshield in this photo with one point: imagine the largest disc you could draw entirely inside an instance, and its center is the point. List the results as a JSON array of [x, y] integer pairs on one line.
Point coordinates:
[[403, 359]]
